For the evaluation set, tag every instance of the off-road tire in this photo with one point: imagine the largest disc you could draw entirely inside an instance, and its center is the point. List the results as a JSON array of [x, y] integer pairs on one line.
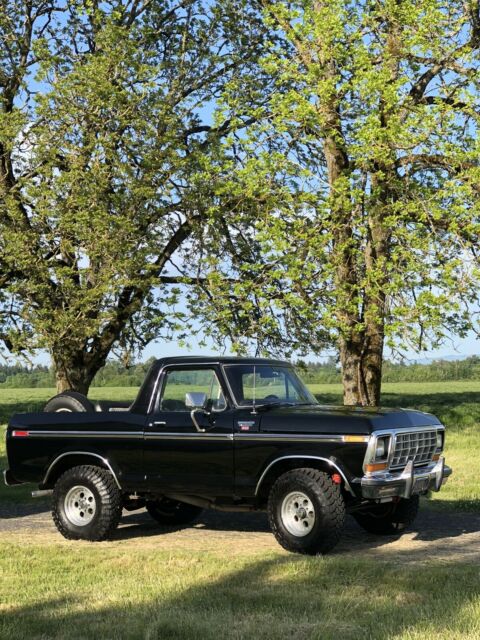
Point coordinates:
[[391, 518], [172, 512], [108, 503], [69, 402], [328, 506]]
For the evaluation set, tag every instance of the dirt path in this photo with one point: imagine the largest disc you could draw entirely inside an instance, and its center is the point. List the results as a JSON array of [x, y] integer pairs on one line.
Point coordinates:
[[436, 536]]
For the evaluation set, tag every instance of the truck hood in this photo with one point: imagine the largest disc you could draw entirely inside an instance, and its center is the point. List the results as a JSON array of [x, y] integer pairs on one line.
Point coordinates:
[[341, 419]]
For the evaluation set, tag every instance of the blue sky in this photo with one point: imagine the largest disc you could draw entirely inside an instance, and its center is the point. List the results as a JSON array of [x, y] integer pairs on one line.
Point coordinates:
[[453, 347]]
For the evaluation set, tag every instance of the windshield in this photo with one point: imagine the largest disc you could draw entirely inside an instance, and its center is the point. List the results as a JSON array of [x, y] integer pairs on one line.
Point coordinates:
[[271, 385]]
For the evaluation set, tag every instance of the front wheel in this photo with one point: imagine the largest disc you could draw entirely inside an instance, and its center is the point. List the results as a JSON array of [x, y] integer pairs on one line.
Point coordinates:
[[172, 512], [306, 511], [390, 518], [87, 504]]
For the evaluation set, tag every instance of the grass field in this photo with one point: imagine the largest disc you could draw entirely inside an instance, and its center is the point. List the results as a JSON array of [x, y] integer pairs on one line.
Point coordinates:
[[112, 591], [127, 589]]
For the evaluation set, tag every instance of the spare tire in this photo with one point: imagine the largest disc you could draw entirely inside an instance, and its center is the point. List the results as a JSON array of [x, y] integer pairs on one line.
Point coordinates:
[[69, 402]]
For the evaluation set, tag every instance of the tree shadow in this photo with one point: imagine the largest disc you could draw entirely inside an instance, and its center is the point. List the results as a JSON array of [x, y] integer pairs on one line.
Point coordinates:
[[430, 526], [7, 410], [286, 596], [9, 510], [458, 409]]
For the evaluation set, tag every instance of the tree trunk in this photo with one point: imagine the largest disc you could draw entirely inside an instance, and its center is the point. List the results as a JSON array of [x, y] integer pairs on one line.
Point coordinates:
[[361, 361], [350, 357], [73, 378], [75, 369]]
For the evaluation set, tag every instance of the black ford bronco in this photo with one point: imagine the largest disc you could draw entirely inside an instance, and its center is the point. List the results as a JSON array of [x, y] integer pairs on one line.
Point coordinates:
[[233, 434]]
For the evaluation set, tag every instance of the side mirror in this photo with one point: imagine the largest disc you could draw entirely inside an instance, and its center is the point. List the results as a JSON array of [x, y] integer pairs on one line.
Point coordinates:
[[196, 400]]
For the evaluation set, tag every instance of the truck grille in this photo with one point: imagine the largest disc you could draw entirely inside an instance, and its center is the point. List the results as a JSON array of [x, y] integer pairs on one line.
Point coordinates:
[[418, 446]]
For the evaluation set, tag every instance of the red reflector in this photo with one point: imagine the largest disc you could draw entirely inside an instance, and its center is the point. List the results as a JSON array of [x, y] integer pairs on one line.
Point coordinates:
[[337, 478], [20, 434]]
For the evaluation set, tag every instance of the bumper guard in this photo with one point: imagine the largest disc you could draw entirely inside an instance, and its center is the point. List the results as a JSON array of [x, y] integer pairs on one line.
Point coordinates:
[[404, 484]]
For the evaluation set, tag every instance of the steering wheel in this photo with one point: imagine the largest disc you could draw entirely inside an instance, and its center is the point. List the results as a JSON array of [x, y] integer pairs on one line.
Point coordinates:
[[271, 397]]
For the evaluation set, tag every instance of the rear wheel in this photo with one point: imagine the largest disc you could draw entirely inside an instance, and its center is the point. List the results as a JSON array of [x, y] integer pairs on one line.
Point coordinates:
[[171, 512], [87, 504], [68, 402], [390, 518], [306, 511]]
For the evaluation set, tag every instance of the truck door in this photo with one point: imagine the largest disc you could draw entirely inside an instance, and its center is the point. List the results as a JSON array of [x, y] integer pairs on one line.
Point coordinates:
[[178, 456]]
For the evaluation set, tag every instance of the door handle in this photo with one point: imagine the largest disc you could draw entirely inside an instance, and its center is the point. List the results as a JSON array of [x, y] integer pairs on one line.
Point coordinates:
[[157, 423]]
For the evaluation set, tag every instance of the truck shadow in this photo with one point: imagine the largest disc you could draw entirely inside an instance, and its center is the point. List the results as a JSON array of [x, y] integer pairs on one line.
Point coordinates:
[[430, 526], [266, 598]]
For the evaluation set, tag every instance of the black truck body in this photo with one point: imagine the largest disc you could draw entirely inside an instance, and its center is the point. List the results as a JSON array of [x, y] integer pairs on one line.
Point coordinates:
[[228, 450]]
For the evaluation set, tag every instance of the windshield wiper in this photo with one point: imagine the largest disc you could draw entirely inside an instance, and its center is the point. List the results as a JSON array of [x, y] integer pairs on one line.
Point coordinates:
[[279, 403]]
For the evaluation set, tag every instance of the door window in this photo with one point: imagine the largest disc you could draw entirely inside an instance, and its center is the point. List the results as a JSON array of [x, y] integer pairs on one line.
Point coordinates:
[[179, 382]]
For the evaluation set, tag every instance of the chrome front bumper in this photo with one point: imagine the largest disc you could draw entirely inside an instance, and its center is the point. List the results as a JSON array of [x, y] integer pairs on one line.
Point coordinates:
[[404, 484]]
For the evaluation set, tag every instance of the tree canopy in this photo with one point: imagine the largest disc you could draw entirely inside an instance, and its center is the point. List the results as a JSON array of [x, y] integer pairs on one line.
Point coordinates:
[[302, 172], [375, 115], [112, 164]]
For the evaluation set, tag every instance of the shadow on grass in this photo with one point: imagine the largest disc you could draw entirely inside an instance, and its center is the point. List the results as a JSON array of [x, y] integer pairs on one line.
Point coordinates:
[[278, 597], [430, 526], [457, 410], [7, 410], [464, 506]]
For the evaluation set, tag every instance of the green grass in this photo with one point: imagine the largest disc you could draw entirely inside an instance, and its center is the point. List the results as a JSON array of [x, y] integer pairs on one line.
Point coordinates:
[[81, 591], [131, 590], [457, 404]]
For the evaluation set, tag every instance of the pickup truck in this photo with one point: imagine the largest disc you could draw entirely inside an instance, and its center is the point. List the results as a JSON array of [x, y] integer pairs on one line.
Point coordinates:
[[235, 434]]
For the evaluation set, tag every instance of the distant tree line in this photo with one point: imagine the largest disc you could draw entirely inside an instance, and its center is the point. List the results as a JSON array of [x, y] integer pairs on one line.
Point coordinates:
[[437, 371], [115, 374]]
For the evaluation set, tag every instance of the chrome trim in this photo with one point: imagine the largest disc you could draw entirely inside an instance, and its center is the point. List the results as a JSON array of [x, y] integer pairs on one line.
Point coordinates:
[[274, 437], [385, 484], [42, 493], [300, 457], [372, 443], [195, 421], [81, 453], [165, 367], [9, 480], [293, 437], [165, 435], [84, 434], [230, 390], [287, 365]]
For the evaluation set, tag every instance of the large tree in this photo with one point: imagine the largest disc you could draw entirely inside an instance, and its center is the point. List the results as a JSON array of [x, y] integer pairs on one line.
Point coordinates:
[[112, 166], [373, 236]]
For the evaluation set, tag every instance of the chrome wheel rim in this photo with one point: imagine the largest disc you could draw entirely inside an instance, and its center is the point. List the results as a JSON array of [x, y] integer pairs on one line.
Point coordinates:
[[80, 506], [298, 513]]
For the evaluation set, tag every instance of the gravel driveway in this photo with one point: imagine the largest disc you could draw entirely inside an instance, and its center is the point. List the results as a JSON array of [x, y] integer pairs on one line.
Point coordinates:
[[435, 536]]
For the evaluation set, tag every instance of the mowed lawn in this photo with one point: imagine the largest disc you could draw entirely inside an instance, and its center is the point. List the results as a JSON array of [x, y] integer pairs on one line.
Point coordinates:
[[127, 589]]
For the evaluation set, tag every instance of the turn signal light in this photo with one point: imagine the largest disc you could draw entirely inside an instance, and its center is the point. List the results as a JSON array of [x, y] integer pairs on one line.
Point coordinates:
[[436, 457], [355, 438], [377, 466]]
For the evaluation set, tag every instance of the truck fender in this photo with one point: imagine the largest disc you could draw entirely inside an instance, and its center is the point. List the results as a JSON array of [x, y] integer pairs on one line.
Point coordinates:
[[329, 462], [63, 457]]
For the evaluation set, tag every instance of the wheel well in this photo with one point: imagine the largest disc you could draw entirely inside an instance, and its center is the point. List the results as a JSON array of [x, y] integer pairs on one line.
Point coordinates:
[[68, 461], [287, 464]]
